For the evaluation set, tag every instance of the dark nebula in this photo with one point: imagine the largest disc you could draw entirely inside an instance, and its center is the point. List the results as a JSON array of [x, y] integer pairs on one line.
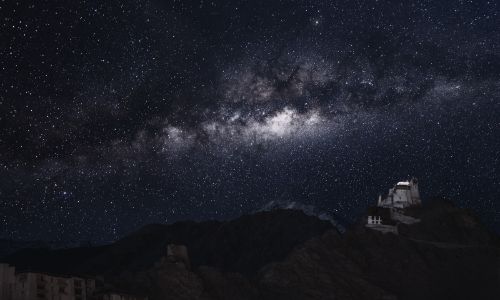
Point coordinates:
[[115, 114]]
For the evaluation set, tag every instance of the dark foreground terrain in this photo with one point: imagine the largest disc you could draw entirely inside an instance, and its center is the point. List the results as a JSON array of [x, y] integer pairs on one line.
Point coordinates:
[[285, 254]]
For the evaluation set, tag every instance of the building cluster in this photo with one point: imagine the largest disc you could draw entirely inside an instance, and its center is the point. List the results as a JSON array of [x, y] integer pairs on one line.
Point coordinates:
[[390, 211], [28, 285]]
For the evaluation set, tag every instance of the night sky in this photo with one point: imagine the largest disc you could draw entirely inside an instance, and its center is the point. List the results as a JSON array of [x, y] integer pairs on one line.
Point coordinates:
[[115, 114]]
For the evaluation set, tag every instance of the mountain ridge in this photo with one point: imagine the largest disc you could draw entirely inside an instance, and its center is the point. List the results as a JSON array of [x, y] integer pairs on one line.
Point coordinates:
[[287, 254]]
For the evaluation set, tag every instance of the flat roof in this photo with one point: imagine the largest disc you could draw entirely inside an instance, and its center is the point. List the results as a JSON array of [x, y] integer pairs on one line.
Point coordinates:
[[59, 275]]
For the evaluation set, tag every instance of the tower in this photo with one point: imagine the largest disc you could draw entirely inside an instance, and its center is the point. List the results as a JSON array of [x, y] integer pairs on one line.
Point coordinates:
[[178, 254]]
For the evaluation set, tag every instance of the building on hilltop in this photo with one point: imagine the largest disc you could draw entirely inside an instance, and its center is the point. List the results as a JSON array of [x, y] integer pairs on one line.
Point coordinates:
[[178, 254], [379, 218], [390, 211], [175, 255], [404, 194]]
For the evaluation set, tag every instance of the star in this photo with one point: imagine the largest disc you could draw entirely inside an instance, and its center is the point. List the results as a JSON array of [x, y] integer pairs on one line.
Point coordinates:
[[135, 112]]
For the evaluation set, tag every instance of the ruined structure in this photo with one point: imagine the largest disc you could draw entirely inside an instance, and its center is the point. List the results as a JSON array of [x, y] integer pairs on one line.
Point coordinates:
[[178, 254]]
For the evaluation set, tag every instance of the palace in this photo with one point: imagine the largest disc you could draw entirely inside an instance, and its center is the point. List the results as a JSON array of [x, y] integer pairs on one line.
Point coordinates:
[[390, 211], [404, 194]]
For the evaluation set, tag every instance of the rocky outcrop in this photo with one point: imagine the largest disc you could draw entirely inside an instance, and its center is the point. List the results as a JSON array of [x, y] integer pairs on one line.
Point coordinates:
[[318, 270], [227, 285]]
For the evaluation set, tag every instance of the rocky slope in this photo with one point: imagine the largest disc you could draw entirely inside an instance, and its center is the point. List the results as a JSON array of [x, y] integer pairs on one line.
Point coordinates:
[[285, 254]]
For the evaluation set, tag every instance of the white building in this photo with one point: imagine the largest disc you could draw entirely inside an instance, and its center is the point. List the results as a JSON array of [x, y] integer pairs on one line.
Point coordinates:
[[389, 211], [374, 220], [404, 194]]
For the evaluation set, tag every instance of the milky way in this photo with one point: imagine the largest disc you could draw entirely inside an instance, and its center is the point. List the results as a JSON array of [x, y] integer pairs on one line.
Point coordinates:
[[121, 114]]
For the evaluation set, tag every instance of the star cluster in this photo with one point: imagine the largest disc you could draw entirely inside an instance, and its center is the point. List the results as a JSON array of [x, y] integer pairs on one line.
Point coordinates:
[[117, 114]]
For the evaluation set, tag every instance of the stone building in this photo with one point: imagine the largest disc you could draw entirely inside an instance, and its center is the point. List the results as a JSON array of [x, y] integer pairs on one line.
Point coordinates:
[[404, 194], [380, 218], [178, 254], [391, 210]]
